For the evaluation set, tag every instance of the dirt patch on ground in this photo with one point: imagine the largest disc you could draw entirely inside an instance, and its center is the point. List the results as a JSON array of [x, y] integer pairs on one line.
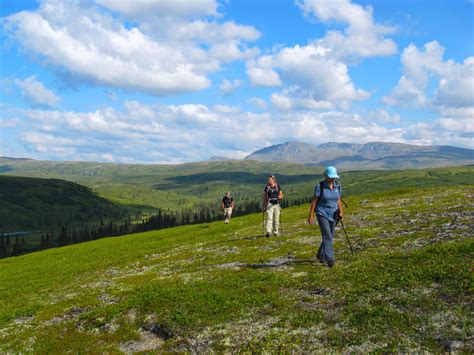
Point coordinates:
[[147, 341]]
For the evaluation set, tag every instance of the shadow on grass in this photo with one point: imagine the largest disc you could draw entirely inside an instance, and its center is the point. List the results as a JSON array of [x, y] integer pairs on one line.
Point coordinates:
[[271, 264]]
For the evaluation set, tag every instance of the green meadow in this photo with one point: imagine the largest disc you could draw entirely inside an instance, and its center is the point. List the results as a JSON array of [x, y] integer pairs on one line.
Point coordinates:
[[36, 202], [36, 198], [176, 187], [213, 287]]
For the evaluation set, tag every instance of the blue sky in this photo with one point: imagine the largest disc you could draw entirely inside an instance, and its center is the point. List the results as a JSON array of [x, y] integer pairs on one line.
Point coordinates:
[[178, 81]]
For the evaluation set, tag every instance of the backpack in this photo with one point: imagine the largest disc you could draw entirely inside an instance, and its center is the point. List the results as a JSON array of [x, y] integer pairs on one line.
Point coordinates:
[[272, 194]]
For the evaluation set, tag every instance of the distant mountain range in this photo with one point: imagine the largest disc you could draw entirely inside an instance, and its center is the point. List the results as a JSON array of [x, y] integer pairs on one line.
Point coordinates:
[[349, 156], [374, 155]]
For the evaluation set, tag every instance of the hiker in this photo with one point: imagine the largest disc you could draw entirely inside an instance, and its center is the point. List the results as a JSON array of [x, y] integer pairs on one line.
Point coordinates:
[[327, 204], [272, 195], [227, 205]]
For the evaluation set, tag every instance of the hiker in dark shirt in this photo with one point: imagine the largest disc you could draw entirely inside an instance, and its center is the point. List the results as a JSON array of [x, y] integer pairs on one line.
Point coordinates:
[[272, 195], [227, 205], [327, 204]]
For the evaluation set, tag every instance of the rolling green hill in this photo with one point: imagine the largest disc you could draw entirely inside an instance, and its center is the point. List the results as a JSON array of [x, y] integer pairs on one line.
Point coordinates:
[[216, 287], [32, 202], [148, 187], [42, 213], [177, 187]]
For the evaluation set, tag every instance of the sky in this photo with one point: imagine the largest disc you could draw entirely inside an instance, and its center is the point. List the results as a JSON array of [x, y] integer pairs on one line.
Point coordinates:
[[174, 81]]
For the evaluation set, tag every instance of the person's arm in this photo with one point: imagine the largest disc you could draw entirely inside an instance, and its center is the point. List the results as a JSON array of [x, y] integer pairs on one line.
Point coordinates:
[[280, 194], [232, 204], [314, 203], [222, 204], [311, 210], [339, 205], [264, 200]]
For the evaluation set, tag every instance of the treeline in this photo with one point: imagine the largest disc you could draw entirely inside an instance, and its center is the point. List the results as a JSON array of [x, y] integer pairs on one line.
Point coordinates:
[[105, 211], [205, 214], [73, 234], [68, 234], [12, 248]]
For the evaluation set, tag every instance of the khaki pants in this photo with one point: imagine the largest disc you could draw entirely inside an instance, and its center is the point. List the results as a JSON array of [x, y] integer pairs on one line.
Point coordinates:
[[227, 214], [273, 219]]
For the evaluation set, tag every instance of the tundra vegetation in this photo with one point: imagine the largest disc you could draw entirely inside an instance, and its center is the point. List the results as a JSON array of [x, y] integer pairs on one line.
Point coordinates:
[[118, 199], [211, 286]]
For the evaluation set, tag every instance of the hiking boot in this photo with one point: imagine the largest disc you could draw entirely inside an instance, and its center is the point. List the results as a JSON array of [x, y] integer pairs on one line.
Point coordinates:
[[275, 234], [331, 264], [267, 235]]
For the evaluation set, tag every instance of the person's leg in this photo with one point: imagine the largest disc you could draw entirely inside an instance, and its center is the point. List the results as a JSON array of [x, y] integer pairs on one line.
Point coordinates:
[[229, 213], [269, 225], [327, 249], [320, 254], [330, 246], [276, 220]]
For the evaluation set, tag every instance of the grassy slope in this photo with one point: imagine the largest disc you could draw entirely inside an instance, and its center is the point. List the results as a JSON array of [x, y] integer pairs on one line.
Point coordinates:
[[39, 200], [408, 287]]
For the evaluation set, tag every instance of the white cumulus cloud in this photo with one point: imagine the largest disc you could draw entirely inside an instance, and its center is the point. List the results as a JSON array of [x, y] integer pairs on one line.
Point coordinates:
[[363, 37], [228, 87], [35, 92], [193, 132], [316, 75], [94, 45], [161, 8], [454, 82]]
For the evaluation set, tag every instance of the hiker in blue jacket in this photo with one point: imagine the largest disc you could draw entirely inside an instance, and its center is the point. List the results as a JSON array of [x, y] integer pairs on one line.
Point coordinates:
[[327, 204]]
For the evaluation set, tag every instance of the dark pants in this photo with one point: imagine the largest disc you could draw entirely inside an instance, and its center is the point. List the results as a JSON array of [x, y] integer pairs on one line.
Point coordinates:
[[326, 249]]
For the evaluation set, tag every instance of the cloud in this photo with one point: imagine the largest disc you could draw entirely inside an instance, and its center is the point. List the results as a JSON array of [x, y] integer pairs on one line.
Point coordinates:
[[316, 75], [381, 115], [160, 60], [286, 102], [454, 82], [457, 125], [145, 8], [227, 109], [36, 93], [194, 132], [456, 89], [227, 87], [258, 102], [439, 133], [312, 77], [362, 38], [261, 73], [406, 94], [9, 122]]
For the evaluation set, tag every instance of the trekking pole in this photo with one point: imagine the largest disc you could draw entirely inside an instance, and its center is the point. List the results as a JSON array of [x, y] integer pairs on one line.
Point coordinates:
[[347, 237], [345, 204], [281, 223]]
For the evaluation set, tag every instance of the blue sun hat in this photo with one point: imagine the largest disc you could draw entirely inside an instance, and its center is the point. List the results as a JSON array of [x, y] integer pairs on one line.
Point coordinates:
[[331, 172]]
